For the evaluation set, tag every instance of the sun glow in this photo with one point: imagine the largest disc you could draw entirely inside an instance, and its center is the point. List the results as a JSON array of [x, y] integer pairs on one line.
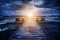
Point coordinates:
[[29, 11], [29, 25], [30, 15]]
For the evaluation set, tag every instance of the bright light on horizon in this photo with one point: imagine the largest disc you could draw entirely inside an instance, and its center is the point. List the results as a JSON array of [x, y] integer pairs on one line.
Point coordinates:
[[29, 10], [30, 25], [30, 15]]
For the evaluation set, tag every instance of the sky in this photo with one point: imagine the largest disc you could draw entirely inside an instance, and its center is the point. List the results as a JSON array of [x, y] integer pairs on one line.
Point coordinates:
[[13, 7]]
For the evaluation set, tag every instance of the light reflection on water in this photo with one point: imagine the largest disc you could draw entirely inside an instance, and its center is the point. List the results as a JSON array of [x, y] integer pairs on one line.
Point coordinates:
[[30, 27]]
